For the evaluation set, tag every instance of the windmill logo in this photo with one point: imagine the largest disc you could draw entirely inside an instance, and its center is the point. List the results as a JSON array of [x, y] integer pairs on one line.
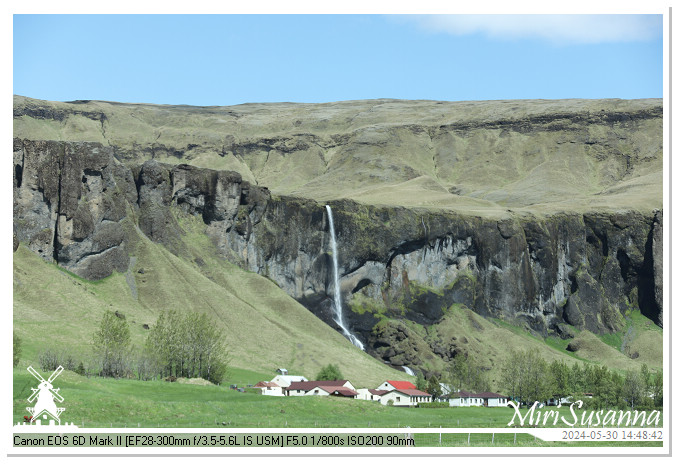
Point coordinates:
[[45, 407]]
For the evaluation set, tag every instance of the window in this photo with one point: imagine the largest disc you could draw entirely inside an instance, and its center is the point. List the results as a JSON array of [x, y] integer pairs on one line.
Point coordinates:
[[398, 399]]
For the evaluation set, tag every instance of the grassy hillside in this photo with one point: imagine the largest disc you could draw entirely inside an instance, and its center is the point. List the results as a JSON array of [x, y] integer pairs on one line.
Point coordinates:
[[265, 328], [534, 156]]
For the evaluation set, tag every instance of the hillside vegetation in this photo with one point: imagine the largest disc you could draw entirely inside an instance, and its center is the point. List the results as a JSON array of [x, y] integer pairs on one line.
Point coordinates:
[[484, 157], [265, 328]]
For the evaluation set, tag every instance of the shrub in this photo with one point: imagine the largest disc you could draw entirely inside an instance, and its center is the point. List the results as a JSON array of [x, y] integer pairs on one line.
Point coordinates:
[[329, 372]]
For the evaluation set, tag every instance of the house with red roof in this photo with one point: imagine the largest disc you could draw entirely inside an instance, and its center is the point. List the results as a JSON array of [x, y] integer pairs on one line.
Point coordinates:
[[305, 388], [399, 393], [396, 385]]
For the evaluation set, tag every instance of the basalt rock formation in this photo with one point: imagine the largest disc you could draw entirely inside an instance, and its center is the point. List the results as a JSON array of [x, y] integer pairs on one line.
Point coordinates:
[[82, 204]]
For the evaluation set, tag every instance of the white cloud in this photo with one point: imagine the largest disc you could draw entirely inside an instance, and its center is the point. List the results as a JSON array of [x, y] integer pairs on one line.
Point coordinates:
[[559, 28]]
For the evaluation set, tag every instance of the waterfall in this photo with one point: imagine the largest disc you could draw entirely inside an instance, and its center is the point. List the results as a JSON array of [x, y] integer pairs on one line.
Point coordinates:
[[338, 298], [408, 371]]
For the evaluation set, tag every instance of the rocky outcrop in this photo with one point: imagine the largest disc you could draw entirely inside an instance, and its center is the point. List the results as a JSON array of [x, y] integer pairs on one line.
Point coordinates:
[[69, 203], [583, 270]]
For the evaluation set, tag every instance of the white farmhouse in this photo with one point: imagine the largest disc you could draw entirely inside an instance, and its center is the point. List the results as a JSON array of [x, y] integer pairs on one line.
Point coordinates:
[[405, 397], [396, 392], [396, 385]]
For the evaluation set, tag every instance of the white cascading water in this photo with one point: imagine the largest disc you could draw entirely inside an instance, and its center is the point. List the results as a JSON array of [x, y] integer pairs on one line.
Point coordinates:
[[338, 299], [408, 371]]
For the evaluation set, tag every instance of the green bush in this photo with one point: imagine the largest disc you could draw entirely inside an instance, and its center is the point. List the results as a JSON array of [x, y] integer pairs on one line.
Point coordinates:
[[330, 372]]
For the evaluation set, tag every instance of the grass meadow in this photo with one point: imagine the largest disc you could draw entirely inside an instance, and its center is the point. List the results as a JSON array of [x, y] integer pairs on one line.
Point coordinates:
[[109, 403]]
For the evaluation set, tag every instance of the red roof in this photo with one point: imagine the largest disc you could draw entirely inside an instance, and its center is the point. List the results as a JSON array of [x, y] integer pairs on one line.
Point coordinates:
[[306, 386], [412, 392], [401, 384]]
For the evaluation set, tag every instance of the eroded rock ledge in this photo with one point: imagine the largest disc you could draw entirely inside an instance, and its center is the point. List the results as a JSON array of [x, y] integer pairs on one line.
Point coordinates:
[[76, 205]]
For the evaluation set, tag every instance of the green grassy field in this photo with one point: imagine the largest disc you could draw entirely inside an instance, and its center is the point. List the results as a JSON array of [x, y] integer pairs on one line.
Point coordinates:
[[104, 403]]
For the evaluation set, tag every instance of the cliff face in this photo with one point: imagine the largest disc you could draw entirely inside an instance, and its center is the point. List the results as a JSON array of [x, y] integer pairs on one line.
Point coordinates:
[[75, 204], [549, 217]]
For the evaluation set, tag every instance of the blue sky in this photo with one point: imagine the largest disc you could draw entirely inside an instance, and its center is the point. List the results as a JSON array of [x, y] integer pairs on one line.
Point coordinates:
[[233, 59]]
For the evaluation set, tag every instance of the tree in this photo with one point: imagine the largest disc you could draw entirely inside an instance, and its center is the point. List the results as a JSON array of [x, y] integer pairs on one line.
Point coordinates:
[[633, 388], [467, 373], [112, 344], [577, 378], [16, 349], [420, 382], [188, 345], [646, 378], [512, 376], [560, 377], [537, 385], [434, 387], [329, 372], [657, 389], [458, 371]]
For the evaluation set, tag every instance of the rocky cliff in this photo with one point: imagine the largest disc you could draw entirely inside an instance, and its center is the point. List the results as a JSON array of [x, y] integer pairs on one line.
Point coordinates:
[[543, 264]]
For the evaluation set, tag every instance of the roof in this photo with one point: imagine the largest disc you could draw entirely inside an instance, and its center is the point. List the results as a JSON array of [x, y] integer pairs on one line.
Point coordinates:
[[412, 391], [401, 384], [343, 391], [377, 392], [263, 384], [310, 385]]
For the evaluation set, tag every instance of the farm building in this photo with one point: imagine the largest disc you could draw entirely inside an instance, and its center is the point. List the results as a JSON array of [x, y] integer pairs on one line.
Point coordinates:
[[303, 388], [399, 392], [396, 385], [405, 397], [370, 394], [285, 380], [270, 388], [489, 399], [324, 390]]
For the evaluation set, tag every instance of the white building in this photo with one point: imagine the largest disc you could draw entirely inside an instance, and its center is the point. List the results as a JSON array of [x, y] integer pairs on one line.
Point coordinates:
[[370, 394], [396, 392], [405, 397], [305, 387], [396, 385], [324, 390], [488, 399], [285, 380], [270, 388]]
